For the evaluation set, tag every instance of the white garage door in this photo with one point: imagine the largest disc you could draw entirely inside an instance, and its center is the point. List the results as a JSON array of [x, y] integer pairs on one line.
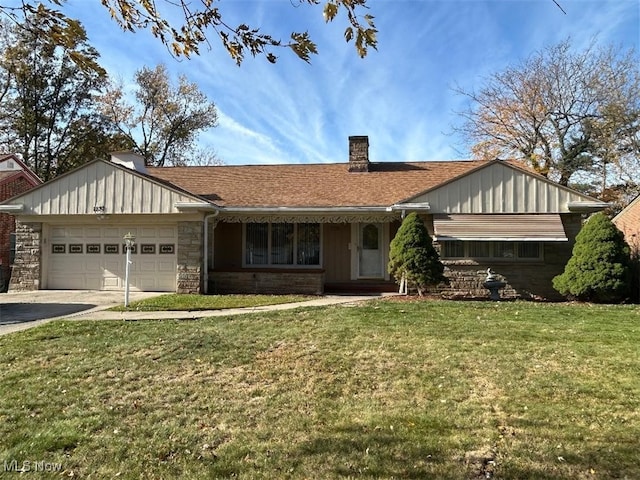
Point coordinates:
[[93, 258]]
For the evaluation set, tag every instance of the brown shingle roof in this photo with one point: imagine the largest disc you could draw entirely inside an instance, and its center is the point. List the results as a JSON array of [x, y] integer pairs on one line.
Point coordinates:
[[8, 174], [316, 185]]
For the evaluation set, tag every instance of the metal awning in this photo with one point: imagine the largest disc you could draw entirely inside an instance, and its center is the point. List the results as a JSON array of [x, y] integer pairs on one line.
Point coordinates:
[[500, 227]]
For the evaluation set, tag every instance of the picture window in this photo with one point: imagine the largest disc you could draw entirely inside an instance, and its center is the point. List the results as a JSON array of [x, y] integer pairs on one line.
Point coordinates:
[[505, 251], [282, 244]]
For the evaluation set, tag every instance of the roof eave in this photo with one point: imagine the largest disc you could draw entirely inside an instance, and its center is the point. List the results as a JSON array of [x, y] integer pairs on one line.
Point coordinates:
[[414, 207], [11, 208], [587, 207], [197, 206]]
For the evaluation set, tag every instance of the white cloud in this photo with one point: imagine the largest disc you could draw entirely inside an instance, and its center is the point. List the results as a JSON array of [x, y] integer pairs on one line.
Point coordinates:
[[400, 95]]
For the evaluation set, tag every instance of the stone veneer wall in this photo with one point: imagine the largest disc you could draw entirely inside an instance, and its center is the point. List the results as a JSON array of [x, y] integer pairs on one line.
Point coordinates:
[[528, 280], [190, 257], [27, 266], [267, 282]]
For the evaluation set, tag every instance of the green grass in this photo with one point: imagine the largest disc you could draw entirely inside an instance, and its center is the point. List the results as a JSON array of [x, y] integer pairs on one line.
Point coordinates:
[[178, 302], [443, 390]]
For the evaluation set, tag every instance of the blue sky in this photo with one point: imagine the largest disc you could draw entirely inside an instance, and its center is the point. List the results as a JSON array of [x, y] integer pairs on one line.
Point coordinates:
[[400, 95]]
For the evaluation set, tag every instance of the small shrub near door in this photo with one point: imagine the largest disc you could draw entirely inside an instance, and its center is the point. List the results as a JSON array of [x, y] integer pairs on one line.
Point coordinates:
[[412, 258]]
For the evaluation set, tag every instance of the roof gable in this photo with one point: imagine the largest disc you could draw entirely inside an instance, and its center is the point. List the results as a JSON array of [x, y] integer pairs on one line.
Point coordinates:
[[104, 187], [12, 168], [503, 187]]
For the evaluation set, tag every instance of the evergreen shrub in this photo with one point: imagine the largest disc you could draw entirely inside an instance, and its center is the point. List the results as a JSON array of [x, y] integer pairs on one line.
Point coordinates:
[[599, 269], [413, 258]]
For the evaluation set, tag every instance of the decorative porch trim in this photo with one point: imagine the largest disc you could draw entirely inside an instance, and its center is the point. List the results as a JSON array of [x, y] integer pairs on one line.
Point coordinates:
[[310, 218]]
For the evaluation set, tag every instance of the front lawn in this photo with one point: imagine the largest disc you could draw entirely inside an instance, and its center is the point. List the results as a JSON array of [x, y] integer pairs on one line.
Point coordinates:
[[444, 390], [176, 302]]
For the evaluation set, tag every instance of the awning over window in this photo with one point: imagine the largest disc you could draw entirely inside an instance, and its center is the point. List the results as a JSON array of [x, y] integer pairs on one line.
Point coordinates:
[[515, 228]]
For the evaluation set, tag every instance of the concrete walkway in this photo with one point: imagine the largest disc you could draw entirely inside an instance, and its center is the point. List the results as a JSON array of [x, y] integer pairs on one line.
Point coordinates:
[[20, 311]]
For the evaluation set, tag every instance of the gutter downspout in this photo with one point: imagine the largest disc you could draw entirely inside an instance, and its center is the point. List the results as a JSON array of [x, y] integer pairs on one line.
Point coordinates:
[[206, 249]]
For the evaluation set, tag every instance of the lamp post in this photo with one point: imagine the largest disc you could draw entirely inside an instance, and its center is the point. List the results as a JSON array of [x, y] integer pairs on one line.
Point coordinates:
[[129, 241]]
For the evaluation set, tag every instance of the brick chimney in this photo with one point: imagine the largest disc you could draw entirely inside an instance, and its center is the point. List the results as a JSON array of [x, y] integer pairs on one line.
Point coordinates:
[[359, 154]]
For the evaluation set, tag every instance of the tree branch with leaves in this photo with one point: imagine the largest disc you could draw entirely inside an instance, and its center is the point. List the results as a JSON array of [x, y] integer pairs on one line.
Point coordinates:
[[199, 23]]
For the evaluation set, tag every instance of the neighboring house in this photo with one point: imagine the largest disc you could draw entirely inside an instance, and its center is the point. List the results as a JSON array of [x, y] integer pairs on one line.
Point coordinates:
[[15, 178], [293, 228], [628, 221]]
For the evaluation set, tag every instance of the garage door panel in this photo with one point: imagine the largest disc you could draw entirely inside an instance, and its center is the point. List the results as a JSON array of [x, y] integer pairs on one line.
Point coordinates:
[[111, 233], [146, 284], [166, 233], [68, 265], [75, 232], [101, 266], [92, 283], [110, 283], [146, 266], [58, 232], [166, 266], [92, 266], [95, 232], [71, 281], [113, 265], [150, 233]]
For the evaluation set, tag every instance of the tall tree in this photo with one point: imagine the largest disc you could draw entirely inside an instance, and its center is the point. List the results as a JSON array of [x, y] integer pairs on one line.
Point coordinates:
[[48, 95], [5, 77], [197, 23], [165, 120], [563, 112]]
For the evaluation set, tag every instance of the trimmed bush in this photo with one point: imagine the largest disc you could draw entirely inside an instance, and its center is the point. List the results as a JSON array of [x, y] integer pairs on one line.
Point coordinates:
[[412, 258], [599, 269]]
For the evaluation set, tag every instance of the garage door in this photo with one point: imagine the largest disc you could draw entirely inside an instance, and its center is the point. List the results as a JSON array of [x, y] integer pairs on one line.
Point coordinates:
[[93, 258]]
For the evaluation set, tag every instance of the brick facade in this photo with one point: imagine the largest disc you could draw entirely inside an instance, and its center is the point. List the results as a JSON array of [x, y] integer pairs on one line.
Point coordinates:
[[13, 186], [267, 282], [527, 280], [628, 222]]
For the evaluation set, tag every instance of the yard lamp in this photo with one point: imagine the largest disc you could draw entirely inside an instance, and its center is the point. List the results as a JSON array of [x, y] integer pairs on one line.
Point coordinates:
[[129, 241]]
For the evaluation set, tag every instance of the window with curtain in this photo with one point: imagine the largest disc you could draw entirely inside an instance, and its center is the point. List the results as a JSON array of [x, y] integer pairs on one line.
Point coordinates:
[[280, 244], [257, 244], [308, 244], [513, 251]]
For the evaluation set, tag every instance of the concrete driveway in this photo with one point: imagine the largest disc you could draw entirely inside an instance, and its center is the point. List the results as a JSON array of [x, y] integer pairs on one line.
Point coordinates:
[[19, 311]]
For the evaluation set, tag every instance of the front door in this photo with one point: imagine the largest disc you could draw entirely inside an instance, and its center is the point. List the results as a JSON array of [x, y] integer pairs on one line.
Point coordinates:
[[370, 251]]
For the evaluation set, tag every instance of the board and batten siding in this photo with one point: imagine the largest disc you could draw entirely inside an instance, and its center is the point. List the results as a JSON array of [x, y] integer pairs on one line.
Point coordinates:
[[500, 188], [102, 184]]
